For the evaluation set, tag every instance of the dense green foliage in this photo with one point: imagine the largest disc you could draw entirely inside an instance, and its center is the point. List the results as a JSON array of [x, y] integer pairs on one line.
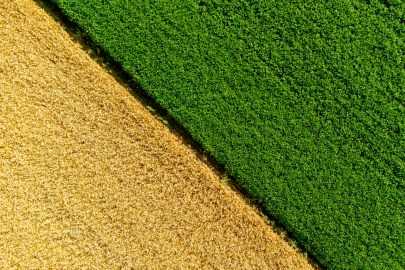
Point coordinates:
[[302, 102]]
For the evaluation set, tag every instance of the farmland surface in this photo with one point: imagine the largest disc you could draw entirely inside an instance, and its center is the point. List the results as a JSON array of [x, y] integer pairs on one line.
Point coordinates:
[[301, 101], [89, 179]]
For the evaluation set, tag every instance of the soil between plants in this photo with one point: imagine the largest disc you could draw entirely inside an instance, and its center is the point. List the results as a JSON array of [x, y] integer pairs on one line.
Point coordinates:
[[90, 178]]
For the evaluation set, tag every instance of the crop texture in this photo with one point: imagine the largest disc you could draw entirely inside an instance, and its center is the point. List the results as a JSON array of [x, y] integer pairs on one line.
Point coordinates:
[[90, 179], [301, 101]]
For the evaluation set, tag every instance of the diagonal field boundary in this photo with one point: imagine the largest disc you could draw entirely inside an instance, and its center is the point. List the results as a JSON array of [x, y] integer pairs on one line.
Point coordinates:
[[301, 101], [90, 179]]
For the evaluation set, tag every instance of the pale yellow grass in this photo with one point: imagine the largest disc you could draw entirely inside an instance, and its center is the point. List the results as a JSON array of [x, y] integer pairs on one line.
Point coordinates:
[[90, 179]]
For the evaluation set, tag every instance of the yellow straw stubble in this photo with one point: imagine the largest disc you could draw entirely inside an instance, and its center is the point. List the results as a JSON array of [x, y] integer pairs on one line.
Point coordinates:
[[90, 179]]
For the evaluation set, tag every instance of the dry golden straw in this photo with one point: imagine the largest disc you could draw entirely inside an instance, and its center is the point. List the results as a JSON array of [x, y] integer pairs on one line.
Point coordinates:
[[89, 179]]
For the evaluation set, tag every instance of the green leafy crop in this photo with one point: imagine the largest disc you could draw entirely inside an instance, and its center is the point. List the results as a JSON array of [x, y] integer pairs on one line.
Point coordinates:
[[302, 102]]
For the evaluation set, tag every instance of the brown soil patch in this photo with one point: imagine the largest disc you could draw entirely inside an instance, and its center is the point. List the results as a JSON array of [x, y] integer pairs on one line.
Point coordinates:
[[90, 179]]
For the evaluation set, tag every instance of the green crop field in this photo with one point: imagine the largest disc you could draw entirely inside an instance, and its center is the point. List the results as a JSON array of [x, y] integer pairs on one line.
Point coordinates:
[[301, 101]]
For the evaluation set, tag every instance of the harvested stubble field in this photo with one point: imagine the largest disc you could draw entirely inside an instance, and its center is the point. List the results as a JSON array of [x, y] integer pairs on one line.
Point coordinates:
[[89, 178]]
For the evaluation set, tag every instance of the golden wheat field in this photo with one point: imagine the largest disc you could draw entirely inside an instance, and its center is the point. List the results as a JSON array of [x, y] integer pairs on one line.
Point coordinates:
[[89, 179]]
